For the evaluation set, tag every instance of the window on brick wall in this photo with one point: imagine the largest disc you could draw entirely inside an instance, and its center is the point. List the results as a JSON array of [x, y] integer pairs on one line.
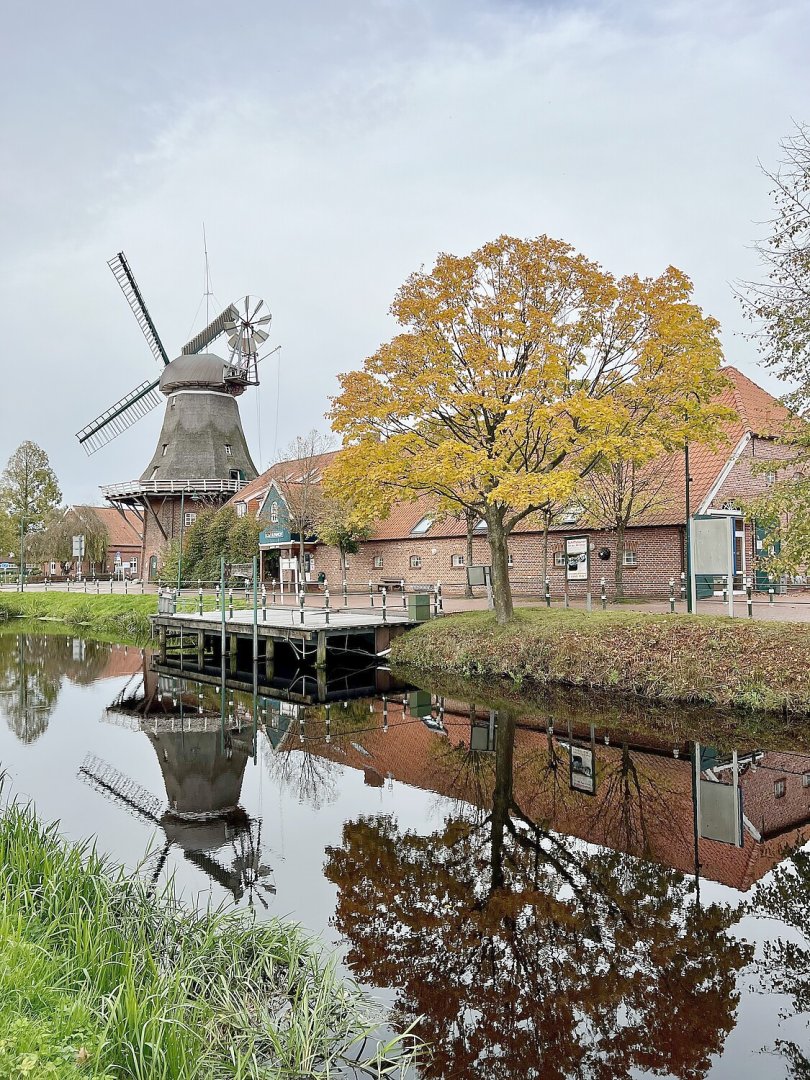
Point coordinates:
[[509, 561], [456, 560], [559, 558], [415, 562], [133, 565], [378, 562], [189, 519], [779, 788], [630, 558], [806, 780]]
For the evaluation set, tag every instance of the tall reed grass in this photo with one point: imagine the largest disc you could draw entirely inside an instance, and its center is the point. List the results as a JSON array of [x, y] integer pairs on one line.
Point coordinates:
[[99, 977]]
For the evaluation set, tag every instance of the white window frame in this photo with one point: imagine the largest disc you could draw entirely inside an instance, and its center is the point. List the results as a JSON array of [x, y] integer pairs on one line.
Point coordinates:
[[630, 559], [415, 562], [560, 560], [780, 788], [378, 562], [228, 451], [53, 568], [457, 562], [274, 513], [423, 525], [189, 517], [133, 565]]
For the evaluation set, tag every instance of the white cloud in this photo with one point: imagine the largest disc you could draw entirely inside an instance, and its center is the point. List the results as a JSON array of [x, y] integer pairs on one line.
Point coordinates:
[[359, 144]]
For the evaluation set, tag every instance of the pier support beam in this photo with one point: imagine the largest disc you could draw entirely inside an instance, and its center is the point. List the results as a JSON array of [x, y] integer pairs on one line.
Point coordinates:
[[269, 659], [162, 643], [200, 649], [320, 658], [232, 647]]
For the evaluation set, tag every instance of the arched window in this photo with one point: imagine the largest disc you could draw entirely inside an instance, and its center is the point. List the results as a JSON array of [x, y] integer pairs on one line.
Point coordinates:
[[274, 513]]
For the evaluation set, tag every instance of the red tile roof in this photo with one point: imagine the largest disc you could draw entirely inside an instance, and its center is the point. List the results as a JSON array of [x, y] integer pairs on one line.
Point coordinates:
[[124, 529], [759, 414]]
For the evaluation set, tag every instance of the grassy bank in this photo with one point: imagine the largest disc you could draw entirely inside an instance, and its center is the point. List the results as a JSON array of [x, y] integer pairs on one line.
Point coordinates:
[[715, 661], [124, 617], [100, 979]]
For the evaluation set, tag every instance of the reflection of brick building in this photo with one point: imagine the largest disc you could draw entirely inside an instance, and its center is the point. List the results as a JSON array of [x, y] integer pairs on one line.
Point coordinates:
[[409, 546], [643, 802]]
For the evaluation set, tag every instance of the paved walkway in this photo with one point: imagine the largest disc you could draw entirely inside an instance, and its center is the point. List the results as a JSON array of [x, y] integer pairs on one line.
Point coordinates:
[[794, 607]]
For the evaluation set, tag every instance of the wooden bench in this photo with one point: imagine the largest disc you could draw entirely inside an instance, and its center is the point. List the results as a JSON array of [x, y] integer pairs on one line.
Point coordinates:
[[391, 584]]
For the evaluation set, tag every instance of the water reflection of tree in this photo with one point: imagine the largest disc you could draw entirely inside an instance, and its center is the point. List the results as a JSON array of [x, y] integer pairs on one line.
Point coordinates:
[[301, 764], [32, 667], [529, 956], [785, 965]]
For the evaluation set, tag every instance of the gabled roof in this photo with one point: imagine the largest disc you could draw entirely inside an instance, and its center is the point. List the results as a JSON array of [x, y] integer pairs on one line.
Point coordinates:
[[124, 529], [759, 414], [288, 472]]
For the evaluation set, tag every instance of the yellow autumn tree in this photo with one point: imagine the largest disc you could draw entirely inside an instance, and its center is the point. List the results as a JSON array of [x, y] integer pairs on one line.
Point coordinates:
[[519, 368]]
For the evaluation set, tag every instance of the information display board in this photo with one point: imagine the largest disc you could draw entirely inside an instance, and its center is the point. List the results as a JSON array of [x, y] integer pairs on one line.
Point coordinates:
[[576, 558]]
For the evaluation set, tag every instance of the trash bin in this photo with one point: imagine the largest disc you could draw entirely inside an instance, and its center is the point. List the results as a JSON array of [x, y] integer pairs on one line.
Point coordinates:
[[419, 607]]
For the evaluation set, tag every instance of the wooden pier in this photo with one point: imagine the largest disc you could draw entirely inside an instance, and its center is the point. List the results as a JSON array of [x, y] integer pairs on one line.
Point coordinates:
[[243, 637]]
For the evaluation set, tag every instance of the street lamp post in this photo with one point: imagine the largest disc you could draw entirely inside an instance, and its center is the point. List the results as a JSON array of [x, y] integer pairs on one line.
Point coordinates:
[[22, 553], [180, 552]]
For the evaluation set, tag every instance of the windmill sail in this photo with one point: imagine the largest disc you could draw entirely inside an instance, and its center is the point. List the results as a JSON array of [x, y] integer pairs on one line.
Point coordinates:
[[126, 412], [123, 275], [219, 326]]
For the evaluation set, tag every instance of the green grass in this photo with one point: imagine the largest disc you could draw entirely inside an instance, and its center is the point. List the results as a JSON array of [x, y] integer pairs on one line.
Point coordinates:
[[101, 979], [124, 619], [758, 666]]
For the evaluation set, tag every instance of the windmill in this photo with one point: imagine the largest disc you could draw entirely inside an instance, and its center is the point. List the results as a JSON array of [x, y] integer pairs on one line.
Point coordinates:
[[201, 453]]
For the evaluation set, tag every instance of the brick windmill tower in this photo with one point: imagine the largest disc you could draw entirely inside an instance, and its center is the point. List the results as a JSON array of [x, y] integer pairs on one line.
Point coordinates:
[[201, 457]]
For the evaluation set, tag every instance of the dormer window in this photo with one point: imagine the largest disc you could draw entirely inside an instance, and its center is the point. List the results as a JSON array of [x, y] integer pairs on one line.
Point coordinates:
[[422, 525]]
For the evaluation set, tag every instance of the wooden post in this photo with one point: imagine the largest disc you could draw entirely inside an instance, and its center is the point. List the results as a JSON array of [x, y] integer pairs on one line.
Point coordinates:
[[162, 643], [232, 650], [320, 658], [269, 658], [200, 649]]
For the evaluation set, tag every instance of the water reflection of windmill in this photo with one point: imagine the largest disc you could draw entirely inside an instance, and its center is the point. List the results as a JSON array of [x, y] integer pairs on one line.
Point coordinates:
[[202, 757]]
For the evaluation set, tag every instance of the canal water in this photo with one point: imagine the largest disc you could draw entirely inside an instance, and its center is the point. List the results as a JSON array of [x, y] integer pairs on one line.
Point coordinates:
[[554, 889]]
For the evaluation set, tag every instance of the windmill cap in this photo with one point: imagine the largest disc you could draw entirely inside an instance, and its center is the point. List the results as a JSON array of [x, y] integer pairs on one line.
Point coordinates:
[[194, 370]]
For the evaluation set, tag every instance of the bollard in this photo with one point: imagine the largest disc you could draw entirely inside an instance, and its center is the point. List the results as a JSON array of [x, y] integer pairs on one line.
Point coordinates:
[[725, 588], [436, 600], [603, 596], [441, 601], [683, 585], [200, 595], [402, 590], [326, 604], [301, 601], [111, 586], [264, 604], [217, 595], [68, 584], [749, 599], [770, 595], [272, 591], [126, 586], [548, 592], [371, 593], [143, 586], [384, 603], [345, 592], [672, 596], [230, 603], [85, 586]]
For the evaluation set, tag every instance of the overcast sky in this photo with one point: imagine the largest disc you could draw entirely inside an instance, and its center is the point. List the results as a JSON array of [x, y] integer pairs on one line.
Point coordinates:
[[332, 148]]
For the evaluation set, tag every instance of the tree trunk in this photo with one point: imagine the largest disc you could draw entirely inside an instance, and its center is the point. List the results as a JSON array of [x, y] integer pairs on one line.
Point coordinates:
[[470, 521], [499, 555], [546, 525], [618, 569], [502, 795]]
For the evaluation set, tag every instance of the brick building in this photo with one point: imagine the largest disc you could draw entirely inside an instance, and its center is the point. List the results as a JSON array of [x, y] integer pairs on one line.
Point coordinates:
[[124, 547], [413, 545]]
